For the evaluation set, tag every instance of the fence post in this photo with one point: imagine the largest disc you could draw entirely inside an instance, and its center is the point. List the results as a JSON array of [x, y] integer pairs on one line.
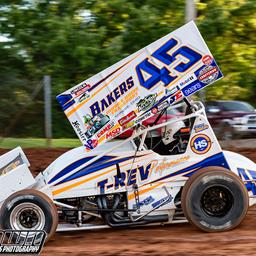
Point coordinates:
[[191, 14], [48, 110]]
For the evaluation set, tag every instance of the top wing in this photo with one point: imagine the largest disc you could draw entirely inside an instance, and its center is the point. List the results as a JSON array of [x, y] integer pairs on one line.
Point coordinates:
[[139, 86]]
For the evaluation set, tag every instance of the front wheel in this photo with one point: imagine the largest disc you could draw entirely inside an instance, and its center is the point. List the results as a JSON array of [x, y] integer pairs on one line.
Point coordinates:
[[29, 209], [214, 199]]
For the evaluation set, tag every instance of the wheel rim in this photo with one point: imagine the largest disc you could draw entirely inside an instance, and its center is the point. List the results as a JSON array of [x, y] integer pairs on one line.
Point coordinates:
[[217, 201], [27, 216]]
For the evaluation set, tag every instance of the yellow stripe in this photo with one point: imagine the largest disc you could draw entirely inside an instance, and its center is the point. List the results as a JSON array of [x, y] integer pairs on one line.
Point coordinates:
[[141, 192], [130, 197], [82, 103], [169, 85], [61, 190], [160, 93]]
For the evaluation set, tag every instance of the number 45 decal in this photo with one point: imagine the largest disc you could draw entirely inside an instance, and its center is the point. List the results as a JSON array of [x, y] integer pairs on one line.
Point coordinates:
[[162, 55]]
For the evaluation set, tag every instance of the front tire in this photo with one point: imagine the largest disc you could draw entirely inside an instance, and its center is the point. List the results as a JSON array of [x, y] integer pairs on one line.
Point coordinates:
[[214, 199], [29, 209]]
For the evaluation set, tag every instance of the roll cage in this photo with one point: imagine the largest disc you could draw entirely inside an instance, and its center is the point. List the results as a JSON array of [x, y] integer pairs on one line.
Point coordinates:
[[137, 140]]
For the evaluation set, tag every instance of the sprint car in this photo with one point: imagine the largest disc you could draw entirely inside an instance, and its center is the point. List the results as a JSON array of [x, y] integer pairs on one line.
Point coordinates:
[[132, 183], [181, 175]]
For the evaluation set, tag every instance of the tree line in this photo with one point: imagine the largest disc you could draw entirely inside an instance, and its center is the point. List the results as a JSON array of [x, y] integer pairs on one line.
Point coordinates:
[[73, 40]]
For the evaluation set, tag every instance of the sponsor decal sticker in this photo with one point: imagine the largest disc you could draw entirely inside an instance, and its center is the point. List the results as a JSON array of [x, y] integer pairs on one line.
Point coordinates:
[[11, 165], [128, 178], [113, 133], [187, 80], [105, 129], [79, 130], [154, 110], [142, 118], [200, 144], [190, 89], [95, 124], [175, 97], [160, 107], [128, 125], [145, 202], [84, 96], [147, 102], [207, 60], [163, 105], [81, 89], [91, 144], [164, 200], [165, 165], [169, 92], [208, 74], [119, 108], [200, 127], [126, 119], [99, 106]]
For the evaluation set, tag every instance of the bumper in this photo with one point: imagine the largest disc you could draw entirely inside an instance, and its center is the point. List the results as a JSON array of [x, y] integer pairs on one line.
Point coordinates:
[[244, 129]]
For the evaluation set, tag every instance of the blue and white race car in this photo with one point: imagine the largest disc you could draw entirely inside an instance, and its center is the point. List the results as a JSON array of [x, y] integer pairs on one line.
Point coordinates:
[[182, 175]]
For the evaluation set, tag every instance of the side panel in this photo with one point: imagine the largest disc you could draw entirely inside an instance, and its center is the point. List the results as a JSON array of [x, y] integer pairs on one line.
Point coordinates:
[[12, 156], [245, 169], [148, 169], [15, 180], [159, 196], [14, 173]]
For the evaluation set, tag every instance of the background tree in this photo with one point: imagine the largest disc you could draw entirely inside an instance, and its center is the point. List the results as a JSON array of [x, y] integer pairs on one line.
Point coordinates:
[[72, 40]]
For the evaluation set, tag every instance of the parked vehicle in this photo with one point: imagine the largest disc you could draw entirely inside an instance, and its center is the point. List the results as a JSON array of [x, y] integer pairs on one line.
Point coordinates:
[[231, 119]]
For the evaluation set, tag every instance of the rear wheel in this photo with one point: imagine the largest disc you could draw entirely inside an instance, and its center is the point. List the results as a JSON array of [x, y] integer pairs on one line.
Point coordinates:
[[214, 199], [29, 210], [227, 133]]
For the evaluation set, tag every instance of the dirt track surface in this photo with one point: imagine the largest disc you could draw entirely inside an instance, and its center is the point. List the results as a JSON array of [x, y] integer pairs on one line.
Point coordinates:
[[178, 239]]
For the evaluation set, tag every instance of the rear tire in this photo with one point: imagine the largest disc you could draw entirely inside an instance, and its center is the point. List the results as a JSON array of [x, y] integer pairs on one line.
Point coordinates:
[[214, 199], [227, 133], [29, 209]]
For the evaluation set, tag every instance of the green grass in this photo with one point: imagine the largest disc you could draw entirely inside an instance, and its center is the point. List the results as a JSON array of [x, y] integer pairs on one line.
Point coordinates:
[[10, 143]]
